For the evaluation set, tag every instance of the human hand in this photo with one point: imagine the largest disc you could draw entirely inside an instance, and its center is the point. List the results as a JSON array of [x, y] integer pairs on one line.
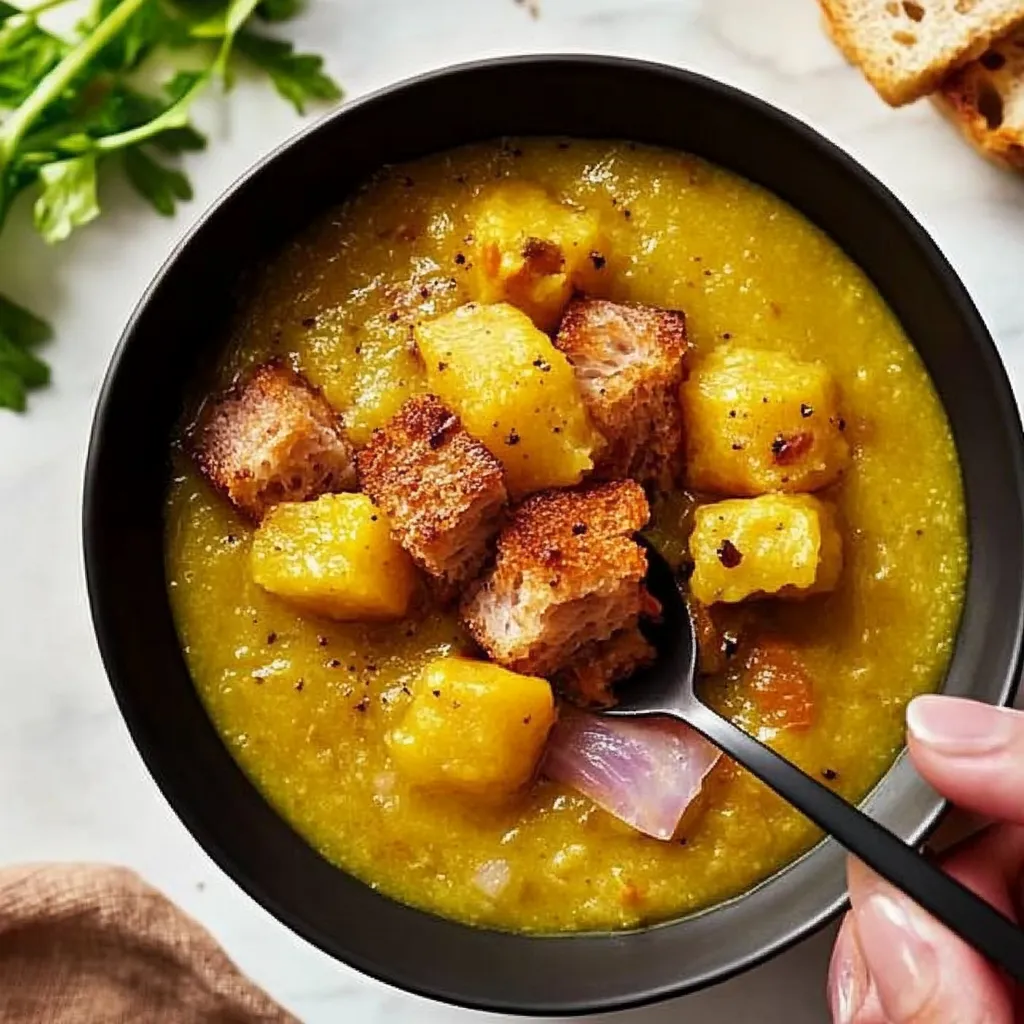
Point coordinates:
[[893, 963]]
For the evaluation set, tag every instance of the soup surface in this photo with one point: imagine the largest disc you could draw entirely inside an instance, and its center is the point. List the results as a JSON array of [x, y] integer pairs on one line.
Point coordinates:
[[304, 703]]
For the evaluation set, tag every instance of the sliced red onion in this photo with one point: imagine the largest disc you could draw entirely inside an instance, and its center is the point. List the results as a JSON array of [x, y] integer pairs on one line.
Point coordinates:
[[492, 877], [644, 773]]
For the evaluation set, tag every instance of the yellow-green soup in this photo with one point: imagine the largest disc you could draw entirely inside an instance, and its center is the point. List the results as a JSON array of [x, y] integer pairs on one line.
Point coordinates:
[[304, 704]]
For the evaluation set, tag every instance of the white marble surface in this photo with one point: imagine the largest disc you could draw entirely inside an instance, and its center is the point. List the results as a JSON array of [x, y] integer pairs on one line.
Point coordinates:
[[71, 784]]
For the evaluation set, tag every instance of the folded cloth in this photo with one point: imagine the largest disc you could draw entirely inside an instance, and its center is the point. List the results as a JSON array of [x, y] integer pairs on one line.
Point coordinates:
[[94, 944]]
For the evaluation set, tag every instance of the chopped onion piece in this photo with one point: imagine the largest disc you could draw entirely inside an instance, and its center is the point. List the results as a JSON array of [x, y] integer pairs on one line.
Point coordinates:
[[492, 877], [644, 773]]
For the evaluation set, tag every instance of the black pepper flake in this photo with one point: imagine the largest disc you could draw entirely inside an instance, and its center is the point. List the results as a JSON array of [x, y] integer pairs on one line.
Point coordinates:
[[556, 430], [438, 436], [456, 705], [627, 214], [578, 529], [358, 349], [528, 719], [726, 335], [322, 640], [392, 316], [563, 145], [271, 638], [309, 321], [334, 663], [830, 774], [841, 424], [682, 841], [737, 447], [373, 519], [806, 410], [371, 668], [407, 181], [541, 365], [299, 684], [730, 644], [363, 704], [351, 668], [232, 539], [707, 273], [441, 367], [598, 260], [459, 258], [424, 292], [920, 533], [728, 554], [460, 179], [436, 693], [732, 414], [513, 437], [406, 690], [258, 680]]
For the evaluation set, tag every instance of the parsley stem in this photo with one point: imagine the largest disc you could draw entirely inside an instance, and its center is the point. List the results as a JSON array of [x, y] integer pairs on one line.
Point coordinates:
[[57, 80], [175, 116]]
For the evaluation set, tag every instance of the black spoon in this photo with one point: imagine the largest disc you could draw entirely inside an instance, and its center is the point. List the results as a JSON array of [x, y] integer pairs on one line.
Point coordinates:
[[668, 689]]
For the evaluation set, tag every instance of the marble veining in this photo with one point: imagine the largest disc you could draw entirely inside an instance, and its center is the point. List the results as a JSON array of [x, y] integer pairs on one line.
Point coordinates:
[[71, 784]]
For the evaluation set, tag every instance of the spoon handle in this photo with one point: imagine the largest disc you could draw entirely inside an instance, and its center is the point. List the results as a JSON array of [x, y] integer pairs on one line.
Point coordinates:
[[975, 921]]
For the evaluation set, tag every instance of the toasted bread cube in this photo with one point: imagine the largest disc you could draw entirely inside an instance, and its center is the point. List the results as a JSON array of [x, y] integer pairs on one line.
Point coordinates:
[[532, 251], [513, 390], [568, 573], [787, 545], [334, 557], [758, 421], [473, 726], [273, 438], [588, 678], [629, 363], [442, 490]]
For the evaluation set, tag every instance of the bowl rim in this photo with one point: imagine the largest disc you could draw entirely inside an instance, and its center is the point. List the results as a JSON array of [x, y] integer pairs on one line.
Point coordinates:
[[985, 350]]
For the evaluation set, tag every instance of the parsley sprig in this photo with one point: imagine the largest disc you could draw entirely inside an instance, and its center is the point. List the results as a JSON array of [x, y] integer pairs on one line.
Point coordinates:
[[70, 107]]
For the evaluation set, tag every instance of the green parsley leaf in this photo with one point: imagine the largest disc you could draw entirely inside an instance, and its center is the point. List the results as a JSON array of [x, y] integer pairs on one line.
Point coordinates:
[[69, 197], [278, 10], [12, 391], [27, 53], [33, 372], [298, 77], [22, 327], [161, 186], [7, 11]]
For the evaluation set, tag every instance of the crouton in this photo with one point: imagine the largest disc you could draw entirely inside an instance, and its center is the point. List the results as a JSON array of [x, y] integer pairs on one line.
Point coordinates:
[[568, 573], [442, 490], [757, 421], [272, 438], [590, 674], [629, 364], [786, 545], [513, 390], [531, 250], [335, 557]]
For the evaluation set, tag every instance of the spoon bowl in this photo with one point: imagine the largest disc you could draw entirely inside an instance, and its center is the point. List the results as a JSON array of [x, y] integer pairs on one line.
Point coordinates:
[[668, 688]]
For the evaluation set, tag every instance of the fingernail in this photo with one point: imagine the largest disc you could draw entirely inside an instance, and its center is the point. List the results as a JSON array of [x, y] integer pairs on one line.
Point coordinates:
[[959, 728], [901, 961], [847, 980]]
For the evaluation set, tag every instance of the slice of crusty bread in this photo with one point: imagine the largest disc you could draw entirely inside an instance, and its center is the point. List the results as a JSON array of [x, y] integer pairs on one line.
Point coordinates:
[[985, 100], [906, 48], [442, 490], [272, 438]]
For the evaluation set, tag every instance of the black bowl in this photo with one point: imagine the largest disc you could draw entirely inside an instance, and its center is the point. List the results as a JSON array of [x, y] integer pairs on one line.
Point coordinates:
[[183, 317]]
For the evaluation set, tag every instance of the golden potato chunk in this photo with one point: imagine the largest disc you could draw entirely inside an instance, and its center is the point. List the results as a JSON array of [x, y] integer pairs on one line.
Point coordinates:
[[334, 557], [758, 421], [513, 390], [532, 251], [786, 545], [473, 726]]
